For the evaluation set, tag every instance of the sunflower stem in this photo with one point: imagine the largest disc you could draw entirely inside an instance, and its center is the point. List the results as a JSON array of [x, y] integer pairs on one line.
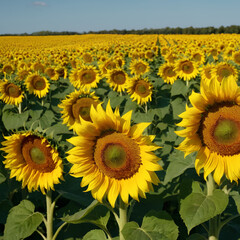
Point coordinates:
[[122, 217], [213, 222], [20, 108], [49, 215], [146, 108], [58, 230]]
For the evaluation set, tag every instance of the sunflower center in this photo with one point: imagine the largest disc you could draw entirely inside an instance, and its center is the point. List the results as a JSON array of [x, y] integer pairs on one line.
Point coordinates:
[[13, 90], [37, 155], [7, 69], [117, 155], [197, 57], [119, 78], [140, 68], [225, 131], [237, 58], [88, 77], [142, 88], [114, 156], [82, 108], [169, 72], [225, 72], [39, 83], [187, 67], [214, 52], [221, 129], [208, 73]]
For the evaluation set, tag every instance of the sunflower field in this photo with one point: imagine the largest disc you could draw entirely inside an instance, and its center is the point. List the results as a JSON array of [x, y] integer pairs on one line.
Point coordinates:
[[120, 137]]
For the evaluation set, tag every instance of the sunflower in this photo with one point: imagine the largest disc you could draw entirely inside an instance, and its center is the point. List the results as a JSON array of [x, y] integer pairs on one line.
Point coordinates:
[[113, 158], [224, 70], [198, 57], [8, 69], [86, 78], [38, 67], [62, 72], [212, 128], [167, 73], [77, 104], [139, 67], [23, 73], [206, 71], [186, 69], [37, 85], [87, 57], [108, 65], [32, 160], [140, 90], [236, 57], [10, 93], [117, 79], [51, 73]]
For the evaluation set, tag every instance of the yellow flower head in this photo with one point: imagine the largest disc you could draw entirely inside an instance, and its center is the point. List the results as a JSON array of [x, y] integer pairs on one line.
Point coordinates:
[[77, 105], [139, 67], [167, 73], [37, 85], [186, 69], [10, 93], [113, 158], [140, 90], [32, 160], [212, 128], [117, 79], [86, 78], [224, 70]]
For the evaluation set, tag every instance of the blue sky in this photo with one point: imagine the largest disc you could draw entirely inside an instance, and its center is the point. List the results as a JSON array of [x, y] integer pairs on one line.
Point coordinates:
[[19, 16]]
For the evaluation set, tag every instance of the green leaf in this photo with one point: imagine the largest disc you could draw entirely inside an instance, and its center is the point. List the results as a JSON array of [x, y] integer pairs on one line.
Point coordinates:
[[12, 120], [155, 225], [198, 208], [95, 213], [178, 164], [22, 221], [47, 119], [178, 106], [179, 88], [95, 234], [196, 236], [115, 99], [2, 178], [236, 197]]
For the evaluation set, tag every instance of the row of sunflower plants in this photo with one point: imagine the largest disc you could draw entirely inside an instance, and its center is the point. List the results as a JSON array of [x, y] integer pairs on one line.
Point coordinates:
[[82, 158]]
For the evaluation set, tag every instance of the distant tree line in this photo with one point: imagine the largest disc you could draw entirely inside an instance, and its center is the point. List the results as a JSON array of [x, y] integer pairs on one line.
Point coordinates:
[[166, 30]]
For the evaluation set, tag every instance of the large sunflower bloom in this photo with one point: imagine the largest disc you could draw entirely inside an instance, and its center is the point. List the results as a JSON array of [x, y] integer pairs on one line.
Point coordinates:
[[11, 93], [77, 104], [212, 128], [32, 160], [37, 85], [113, 158]]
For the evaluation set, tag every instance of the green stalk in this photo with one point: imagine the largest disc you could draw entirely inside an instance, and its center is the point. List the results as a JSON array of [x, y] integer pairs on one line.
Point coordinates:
[[122, 217], [50, 209], [20, 108], [213, 222]]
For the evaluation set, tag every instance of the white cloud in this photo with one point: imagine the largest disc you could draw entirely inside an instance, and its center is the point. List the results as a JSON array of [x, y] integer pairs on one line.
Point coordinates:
[[38, 3]]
